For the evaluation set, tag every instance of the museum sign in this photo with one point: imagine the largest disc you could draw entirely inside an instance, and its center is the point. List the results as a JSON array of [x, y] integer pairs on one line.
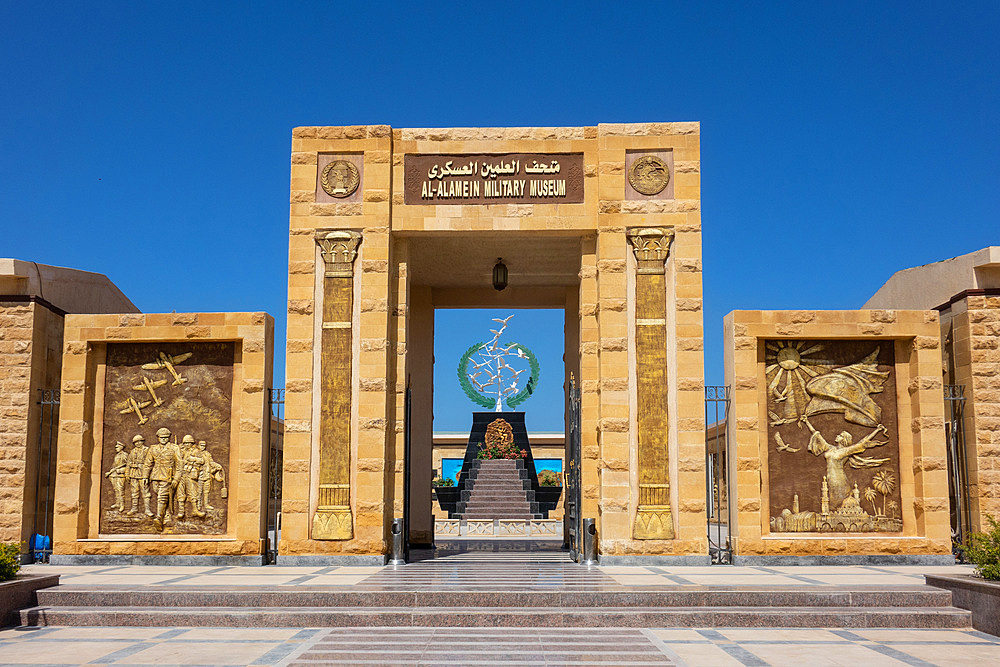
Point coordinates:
[[508, 178]]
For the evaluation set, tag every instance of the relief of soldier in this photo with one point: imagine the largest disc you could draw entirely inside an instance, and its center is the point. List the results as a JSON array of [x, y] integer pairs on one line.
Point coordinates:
[[178, 475], [167, 425]]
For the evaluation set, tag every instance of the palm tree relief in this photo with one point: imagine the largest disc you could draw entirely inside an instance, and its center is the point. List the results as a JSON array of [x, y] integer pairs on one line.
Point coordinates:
[[815, 400]]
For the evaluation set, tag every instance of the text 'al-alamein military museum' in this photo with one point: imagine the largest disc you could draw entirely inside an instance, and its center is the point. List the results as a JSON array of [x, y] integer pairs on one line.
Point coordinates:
[[850, 436]]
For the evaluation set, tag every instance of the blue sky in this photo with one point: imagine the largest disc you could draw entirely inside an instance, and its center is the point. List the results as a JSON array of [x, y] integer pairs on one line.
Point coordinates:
[[541, 331], [840, 141]]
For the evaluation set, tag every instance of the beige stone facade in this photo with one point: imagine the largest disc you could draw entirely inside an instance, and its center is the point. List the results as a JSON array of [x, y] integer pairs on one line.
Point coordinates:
[[414, 258], [77, 536], [922, 474], [30, 356], [970, 328], [31, 341], [965, 290]]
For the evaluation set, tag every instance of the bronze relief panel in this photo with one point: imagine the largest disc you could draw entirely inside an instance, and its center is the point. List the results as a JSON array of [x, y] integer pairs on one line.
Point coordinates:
[[649, 174], [832, 436], [167, 430]]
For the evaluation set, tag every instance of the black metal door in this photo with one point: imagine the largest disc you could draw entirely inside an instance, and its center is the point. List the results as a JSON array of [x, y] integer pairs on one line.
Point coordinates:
[[571, 520]]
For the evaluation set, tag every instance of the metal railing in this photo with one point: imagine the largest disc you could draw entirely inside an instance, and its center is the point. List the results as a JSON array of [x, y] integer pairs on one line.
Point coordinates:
[[573, 526], [718, 505], [40, 547], [958, 471], [275, 460]]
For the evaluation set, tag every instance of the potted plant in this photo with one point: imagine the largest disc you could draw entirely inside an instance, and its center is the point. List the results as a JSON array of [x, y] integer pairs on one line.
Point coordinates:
[[18, 592]]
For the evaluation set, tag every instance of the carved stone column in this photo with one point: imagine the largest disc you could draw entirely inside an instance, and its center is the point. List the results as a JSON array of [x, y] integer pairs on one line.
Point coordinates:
[[333, 520], [653, 519]]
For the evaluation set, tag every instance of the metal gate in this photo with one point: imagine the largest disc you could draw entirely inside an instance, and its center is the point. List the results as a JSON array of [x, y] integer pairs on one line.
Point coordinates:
[[958, 472], [717, 491], [571, 521], [40, 547], [275, 450], [406, 474]]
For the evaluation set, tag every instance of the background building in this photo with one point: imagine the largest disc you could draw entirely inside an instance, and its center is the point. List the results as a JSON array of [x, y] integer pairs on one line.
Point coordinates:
[[34, 300]]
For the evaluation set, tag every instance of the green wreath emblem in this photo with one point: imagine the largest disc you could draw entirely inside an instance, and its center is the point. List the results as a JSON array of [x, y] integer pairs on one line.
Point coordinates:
[[486, 401]]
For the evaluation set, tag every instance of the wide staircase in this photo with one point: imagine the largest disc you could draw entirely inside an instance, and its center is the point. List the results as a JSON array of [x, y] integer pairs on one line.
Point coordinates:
[[474, 587], [497, 489]]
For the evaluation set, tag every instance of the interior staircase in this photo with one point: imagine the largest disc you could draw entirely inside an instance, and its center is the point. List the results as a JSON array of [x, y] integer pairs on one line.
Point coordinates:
[[497, 489]]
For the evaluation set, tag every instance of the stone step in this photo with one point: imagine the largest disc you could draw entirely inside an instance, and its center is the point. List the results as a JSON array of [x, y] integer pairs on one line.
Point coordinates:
[[500, 489], [832, 597], [517, 485], [467, 506], [640, 617], [489, 512], [506, 491], [516, 493], [501, 499], [497, 507]]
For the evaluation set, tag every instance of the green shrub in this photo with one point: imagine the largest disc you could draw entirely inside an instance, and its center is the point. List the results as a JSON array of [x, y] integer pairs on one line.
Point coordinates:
[[444, 481], [498, 449], [10, 560], [984, 551], [549, 478]]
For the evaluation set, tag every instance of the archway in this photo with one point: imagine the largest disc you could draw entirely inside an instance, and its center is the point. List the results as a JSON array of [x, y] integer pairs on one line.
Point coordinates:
[[451, 275]]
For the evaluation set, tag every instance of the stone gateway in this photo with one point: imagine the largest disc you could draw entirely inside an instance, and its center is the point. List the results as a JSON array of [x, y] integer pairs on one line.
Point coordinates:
[[831, 443]]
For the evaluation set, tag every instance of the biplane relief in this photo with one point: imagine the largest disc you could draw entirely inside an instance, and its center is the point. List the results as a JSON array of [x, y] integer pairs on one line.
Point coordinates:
[[833, 448], [166, 438]]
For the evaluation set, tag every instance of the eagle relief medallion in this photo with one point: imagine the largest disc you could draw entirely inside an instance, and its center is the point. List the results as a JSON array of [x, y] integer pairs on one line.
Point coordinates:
[[340, 179], [648, 175]]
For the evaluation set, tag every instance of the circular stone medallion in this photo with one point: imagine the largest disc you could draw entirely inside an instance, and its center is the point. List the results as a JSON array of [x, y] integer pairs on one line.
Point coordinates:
[[340, 179], [648, 175]]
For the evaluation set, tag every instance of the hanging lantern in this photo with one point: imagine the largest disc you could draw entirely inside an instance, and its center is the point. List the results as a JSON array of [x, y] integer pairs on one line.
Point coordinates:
[[499, 275]]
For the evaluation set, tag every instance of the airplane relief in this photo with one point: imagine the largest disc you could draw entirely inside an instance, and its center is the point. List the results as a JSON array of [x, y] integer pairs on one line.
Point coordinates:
[[166, 446]]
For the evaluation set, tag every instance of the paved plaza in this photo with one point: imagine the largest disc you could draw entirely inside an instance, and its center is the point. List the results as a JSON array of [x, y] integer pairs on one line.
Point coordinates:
[[505, 646], [60, 645]]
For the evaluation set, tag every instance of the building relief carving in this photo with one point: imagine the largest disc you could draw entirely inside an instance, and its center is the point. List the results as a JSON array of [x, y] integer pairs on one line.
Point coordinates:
[[649, 175], [833, 448], [333, 518], [654, 519], [166, 454], [340, 179], [651, 246]]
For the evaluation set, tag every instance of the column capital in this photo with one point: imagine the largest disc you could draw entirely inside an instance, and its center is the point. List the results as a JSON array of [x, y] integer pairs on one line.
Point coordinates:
[[651, 246], [339, 248]]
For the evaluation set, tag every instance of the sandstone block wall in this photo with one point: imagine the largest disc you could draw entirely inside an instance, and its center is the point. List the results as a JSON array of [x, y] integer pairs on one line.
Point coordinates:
[[605, 317], [76, 530], [923, 473], [971, 330], [30, 359]]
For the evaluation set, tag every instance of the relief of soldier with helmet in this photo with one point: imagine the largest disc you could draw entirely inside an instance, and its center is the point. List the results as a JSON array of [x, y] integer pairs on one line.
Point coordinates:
[[166, 434]]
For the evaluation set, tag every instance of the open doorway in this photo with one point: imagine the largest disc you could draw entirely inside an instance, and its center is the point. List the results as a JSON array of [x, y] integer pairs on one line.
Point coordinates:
[[453, 310], [484, 486]]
